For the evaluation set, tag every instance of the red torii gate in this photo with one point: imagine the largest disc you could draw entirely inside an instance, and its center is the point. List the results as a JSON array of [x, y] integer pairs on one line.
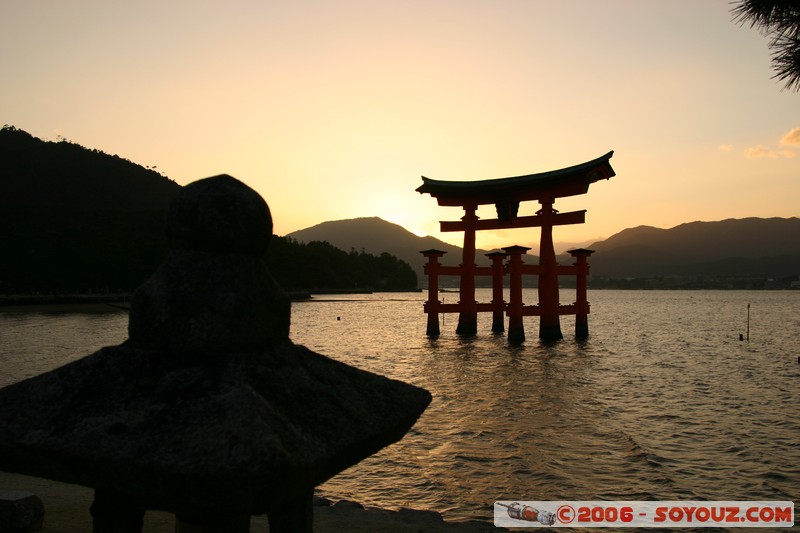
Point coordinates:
[[507, 194]]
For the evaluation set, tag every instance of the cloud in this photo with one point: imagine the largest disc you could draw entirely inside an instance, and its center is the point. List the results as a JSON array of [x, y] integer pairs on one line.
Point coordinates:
[[755, 152], [759, 151], [792, 138], [762, 151], [726, 147]]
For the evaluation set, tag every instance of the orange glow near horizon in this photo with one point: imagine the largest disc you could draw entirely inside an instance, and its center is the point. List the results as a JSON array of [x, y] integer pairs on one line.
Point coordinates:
[[333, 110]]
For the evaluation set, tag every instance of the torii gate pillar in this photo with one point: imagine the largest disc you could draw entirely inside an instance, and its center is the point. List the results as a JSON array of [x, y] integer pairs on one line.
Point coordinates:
[[549, 324], [468, 307]]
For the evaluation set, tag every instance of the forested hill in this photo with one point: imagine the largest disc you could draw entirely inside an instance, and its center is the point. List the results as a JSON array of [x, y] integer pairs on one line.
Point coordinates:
[[321, 266], [77, 220], [65, 175]]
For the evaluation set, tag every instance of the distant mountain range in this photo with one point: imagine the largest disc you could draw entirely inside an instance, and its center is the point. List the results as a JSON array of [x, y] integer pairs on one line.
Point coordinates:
[[750, 247], [768, 247], [76, 219]]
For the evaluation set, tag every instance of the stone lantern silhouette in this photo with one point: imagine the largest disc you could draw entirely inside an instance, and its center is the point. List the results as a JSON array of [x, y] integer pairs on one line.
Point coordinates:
[[208, 410]]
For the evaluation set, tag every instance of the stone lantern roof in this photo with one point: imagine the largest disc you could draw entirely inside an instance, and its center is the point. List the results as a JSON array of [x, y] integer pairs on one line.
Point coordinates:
[[208, 410]]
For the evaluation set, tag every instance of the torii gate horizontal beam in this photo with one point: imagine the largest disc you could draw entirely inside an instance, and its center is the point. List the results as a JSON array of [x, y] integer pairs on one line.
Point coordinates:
[[557, 219]]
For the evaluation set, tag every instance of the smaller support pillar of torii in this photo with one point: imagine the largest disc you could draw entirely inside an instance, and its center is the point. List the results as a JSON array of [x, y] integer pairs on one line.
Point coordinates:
[[581, 303], [432, 268], [516, 330], [498, 304]]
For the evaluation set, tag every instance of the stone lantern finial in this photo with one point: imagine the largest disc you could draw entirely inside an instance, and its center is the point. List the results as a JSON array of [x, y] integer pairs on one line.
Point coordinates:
[[213, 291]]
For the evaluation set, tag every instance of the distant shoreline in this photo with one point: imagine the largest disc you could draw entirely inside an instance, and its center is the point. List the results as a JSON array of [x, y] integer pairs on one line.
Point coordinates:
[[99, 302], [63, 299], [122, 300]]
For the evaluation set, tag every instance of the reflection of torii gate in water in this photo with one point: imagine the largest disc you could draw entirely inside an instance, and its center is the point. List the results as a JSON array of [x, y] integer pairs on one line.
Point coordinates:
[[506, 194]]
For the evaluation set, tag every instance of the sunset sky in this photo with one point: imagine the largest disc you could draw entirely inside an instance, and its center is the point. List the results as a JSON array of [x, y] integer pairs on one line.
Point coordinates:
[[334, 109]]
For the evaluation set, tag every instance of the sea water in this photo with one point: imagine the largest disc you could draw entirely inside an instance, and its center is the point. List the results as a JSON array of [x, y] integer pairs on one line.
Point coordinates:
[[661, 402]]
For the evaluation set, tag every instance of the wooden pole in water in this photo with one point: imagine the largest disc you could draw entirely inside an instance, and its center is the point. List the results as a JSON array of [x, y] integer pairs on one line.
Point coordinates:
[[748, 322]]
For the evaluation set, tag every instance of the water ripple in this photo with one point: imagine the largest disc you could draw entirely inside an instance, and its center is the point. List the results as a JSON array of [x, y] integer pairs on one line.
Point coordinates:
[[661, 402]]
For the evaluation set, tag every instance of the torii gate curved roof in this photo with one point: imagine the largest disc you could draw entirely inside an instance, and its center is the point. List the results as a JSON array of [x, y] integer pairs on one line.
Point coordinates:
[[553, 184]]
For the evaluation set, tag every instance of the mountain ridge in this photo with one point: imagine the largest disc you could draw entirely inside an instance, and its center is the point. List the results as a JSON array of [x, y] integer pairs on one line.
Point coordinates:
[[741, 247], [375, 235], [750, 246]]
